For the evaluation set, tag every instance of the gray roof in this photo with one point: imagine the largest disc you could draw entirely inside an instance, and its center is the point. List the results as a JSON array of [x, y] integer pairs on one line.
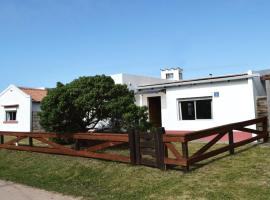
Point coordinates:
[[198, 81]]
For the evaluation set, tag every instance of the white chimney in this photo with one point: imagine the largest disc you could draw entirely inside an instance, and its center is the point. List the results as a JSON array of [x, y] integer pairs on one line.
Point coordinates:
[[175, 74]]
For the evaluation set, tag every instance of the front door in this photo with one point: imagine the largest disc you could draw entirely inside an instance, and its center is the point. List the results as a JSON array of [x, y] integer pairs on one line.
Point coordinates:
[[154, 106]]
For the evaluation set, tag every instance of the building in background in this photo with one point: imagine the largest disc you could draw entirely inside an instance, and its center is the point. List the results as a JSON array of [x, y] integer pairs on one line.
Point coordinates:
[[19, 109]]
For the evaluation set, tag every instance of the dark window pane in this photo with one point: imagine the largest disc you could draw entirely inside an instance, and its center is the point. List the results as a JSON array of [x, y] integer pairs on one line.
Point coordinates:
[[11, 115], [187, 108], [203, 109]]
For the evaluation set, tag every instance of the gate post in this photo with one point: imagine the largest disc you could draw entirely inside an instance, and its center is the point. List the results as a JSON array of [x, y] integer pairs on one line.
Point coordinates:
[[160, 148], [77, 145], [1, 139], [132, 147], [265, 130], [30, 141], [231, 142]]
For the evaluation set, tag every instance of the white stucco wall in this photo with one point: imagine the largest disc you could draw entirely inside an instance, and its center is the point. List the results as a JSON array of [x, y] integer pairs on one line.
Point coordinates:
[[13, 96], [235, 103], [133, 81]]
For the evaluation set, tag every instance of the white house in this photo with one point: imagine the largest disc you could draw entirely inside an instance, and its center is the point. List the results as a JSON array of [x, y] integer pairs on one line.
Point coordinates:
[[19, 107], [174, 103], [186, 105]]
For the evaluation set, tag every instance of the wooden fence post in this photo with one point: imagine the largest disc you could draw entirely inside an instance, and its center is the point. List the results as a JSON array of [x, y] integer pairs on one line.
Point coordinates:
[[231, 142], [185, 154], [137, 147], [160, 148], [132, 147], [30, 141], [265, 130], [77, 145], [2, 139]]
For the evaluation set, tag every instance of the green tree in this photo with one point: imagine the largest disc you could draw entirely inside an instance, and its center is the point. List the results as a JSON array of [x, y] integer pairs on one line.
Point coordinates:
[[80, 105]]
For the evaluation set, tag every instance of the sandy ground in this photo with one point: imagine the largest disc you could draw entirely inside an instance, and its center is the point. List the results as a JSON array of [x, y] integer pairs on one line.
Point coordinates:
[[13, 191]]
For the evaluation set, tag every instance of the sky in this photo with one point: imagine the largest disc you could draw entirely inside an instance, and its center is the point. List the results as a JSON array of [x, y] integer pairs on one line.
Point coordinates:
[[45, 41]]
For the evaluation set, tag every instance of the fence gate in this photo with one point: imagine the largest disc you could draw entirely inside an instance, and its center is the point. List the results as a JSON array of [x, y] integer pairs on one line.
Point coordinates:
[[149, 148]]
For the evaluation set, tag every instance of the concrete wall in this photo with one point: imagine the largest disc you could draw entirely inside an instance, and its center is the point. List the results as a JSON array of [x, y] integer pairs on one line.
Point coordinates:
[[14, 96], [133, 81], [36, 107], [235, 103]]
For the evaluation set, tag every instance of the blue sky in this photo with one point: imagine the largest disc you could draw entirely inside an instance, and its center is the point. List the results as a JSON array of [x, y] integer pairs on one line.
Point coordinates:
[[45, 41]]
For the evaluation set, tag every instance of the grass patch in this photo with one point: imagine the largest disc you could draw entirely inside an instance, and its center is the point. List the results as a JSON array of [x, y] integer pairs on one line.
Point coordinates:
[[245, 175]]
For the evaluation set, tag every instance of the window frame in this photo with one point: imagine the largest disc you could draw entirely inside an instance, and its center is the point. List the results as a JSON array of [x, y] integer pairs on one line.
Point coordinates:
[[6, 116], [169, 76], [194, 99]]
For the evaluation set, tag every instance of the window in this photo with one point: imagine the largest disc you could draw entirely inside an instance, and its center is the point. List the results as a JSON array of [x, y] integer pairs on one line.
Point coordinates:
[[169, 76], [11, 115], [193, 109]]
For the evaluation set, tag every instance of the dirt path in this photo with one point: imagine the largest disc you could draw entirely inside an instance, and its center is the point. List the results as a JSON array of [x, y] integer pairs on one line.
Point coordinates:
[[13, 191]]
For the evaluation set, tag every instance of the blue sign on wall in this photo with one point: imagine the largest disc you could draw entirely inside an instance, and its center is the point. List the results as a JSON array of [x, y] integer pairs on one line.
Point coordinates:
[[216, 94]]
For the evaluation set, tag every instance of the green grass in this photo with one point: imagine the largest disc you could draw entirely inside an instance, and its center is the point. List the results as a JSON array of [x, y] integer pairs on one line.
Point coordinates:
[[246, 175]]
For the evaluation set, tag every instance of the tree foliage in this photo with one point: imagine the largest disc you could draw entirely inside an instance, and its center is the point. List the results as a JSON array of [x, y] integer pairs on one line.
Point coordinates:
[[85, 102]]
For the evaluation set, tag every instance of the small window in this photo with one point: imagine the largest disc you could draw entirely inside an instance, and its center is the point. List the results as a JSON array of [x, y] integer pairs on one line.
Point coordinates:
[[11, 116], [193, 109], [188, 110], [169, 76]]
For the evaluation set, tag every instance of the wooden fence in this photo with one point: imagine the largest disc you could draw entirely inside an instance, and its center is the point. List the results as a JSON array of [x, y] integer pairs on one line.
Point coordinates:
[[184, 159], [46, 145], [155, 149]]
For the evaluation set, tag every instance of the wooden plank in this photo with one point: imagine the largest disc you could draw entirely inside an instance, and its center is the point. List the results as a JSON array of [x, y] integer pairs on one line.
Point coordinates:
[[86, 136], [54, 145], [170, 161], [208, 145], [30, 141], [172, 148], [148, 162], [132, 147], [103, 146], [185, 154], [231, 142], [137, 147], [160, 148], [148, 144], [249, 130], [173, 138], [146, 136], [222, 150], [266, 124], [15, 140], [103, 156], [225, 128], [2, 140], [149, 152]]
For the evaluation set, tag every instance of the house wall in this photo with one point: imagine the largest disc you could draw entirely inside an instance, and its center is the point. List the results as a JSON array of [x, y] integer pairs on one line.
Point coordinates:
[[133, 81], [235, 103], [14, 96]]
